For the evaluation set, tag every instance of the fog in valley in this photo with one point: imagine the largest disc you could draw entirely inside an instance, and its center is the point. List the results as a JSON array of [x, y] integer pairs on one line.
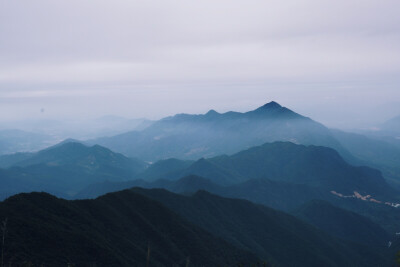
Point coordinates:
[[199, 133], [64, 67]]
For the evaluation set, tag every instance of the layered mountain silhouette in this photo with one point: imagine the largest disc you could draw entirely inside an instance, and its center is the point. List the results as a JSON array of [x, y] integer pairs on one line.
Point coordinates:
[[283, 196], [343, 214], [187, 136], [342, 223], [64, 169], [377, 153], [75, 153], [67, 168], [315, 166], [121, 229], [269, 233]]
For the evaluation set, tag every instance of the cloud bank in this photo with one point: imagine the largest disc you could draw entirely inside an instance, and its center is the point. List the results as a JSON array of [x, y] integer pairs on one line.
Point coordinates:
[[155, 58]]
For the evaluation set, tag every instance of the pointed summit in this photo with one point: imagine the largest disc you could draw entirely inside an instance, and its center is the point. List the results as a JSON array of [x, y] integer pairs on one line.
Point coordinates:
[[271, 105], [274, 110]]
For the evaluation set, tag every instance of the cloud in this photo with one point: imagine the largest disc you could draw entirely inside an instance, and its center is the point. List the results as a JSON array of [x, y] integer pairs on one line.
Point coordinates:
[[186, 46]]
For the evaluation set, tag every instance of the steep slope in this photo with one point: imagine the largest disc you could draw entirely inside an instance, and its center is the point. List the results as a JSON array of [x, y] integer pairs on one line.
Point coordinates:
[[342, 223], [388, 217], [267, 232], [114, 230], [194, 136], [375, 153]]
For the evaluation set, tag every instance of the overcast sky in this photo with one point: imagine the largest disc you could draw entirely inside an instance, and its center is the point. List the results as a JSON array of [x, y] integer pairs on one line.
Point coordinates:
[[335, 61]]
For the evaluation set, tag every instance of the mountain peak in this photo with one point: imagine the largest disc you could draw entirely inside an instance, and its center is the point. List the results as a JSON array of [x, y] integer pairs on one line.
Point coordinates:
[[212, 112], [271, 105]]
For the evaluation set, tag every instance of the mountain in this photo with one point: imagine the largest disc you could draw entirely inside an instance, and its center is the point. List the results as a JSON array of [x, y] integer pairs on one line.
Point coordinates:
[[386, 216], [316, 166], [342, 223], [166, 169], [8, 160], [189, 184], [91, 158], [117, 229], [312, 165], [283, 196], [65, 169], [280, 238], [12, 141], [187, 136], [373, 152], [282, 167], [279, 195]]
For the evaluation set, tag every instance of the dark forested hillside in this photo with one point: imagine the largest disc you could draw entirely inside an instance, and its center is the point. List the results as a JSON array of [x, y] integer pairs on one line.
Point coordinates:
[[343, 223], [269, 233], [114, 230]]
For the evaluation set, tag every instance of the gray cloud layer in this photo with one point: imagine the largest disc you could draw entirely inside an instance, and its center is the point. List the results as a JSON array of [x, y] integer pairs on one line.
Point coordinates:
[[156, 58]]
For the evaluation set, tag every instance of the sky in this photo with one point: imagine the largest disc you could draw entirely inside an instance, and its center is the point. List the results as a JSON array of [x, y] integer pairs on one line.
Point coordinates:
[[337, 62]]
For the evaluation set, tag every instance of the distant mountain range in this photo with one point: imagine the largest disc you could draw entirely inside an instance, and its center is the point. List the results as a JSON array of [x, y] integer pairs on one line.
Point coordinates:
[[187, 136], [319, 168], [191, 137], [343, 214], [64, 169], [68, 168]]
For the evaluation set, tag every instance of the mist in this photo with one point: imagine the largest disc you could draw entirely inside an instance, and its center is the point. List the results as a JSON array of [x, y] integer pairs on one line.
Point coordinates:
[[336, 62]]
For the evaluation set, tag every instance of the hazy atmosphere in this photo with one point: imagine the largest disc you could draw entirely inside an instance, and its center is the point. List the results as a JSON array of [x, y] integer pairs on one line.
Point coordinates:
[[200, 133], [335, 61]]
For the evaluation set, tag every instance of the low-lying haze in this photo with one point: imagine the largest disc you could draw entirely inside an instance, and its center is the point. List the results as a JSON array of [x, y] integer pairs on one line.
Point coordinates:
[[335, 61]]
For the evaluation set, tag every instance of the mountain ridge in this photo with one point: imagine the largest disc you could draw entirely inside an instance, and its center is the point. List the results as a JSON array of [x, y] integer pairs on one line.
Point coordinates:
[[187, 136], [113, 230]]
